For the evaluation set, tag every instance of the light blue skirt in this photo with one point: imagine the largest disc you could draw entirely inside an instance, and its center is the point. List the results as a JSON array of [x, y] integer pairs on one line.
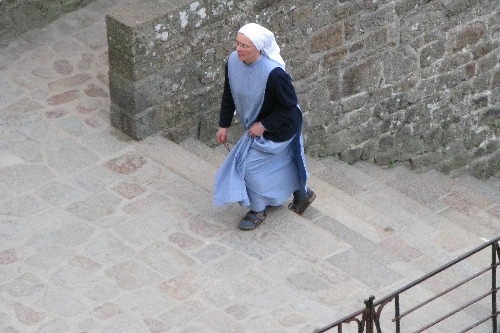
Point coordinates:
[[259, 173]]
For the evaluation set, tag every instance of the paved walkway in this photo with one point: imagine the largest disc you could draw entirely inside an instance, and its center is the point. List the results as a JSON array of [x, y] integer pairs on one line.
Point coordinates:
[[99, 233]]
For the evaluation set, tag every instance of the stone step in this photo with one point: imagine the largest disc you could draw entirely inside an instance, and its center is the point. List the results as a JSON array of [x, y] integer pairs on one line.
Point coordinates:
[[467, 202], [285, 225], [484, 188], [472, 204], [286, 257], [410, 221], [179, 160], [367, 211], [387, 199], [494, 182], [432, 187], [330, 200], [363, 235], [213, 156]]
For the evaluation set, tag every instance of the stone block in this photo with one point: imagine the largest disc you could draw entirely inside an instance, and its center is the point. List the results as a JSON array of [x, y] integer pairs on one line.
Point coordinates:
[[483, 169], [317, 142], [481, 83], [403, 7], [377, 19], [356, 46], [263, 4], [149, 63], [351, 155], [432, 53], [127, 94], [335, 57], [495, 96], [491, 118], [487, 63], [457, 7], [137, 127], [426, 19], [132, 54], [485, 48], [355, 119], [354, 102], [453, 61], [137, 96], [390, 105], [386, 142], [326, 107], [327, 39], [494, 26], [469, 35], [303, 14], [304, 69], [361, 77], [450, 80], [349, 29], [138, 35], [120, 51], [345, 10], [376, 39], [399, 64], [480, 102]]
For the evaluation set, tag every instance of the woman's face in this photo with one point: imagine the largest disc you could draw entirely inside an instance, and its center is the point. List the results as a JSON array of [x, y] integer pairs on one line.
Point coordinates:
[[247, 52]]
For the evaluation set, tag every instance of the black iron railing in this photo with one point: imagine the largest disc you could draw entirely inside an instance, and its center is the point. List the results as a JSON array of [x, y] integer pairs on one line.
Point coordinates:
[[368, 320]]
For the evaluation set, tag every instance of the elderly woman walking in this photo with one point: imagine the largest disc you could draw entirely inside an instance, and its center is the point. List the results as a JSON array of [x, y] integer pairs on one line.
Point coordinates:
[[267, 164]]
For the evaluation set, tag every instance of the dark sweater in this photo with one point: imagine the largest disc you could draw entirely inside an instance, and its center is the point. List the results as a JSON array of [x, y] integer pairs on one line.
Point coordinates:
[[279, 113]]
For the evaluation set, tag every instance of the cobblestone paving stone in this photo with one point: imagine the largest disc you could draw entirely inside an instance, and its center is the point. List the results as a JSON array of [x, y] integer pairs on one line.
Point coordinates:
[[98, 235]]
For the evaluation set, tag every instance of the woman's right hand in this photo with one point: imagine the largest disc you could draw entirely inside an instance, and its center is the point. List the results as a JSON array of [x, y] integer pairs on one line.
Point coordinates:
[[222, 135]]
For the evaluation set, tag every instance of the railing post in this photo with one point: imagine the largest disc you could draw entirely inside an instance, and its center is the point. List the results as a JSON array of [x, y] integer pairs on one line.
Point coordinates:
[[370, 314], [494, 248], [397, 313]]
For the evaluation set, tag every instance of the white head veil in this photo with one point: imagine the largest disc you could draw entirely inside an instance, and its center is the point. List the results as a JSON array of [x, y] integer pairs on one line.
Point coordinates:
[[264, 41]]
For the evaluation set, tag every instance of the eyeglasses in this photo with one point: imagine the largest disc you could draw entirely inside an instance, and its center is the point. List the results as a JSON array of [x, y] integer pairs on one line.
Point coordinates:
[[243, 46]]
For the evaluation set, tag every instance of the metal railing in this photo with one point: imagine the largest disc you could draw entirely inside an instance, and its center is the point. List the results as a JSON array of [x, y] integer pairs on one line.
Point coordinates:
[[368, 319]]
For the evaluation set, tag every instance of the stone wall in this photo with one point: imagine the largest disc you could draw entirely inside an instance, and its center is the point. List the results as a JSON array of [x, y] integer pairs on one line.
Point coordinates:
[[387, 81], [19, 16]]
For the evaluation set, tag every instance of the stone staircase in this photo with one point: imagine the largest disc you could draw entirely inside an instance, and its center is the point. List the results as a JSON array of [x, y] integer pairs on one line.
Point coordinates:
[[100, 233], [370, 231]]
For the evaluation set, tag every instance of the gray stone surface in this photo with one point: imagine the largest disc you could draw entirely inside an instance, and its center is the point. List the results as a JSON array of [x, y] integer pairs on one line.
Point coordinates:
[[384, 81], [19, 16], [101, 233]]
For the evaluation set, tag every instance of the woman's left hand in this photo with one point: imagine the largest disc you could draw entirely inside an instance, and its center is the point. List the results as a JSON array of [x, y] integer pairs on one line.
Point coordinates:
[[256, 130]]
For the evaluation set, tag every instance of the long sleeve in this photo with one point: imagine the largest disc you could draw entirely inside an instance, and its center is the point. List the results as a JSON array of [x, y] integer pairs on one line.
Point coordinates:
[[227, 104], [280, 115]]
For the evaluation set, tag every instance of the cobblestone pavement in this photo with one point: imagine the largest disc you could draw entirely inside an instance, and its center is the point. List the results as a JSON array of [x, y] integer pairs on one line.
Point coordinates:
[[99, 233], [97, 237]]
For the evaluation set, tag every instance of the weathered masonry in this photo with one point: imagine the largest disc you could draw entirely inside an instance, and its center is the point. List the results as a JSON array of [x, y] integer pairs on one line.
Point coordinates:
[[412, 81]]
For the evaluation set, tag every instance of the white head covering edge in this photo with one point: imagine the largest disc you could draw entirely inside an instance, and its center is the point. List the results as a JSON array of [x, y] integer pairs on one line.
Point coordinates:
[[264, 41]]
